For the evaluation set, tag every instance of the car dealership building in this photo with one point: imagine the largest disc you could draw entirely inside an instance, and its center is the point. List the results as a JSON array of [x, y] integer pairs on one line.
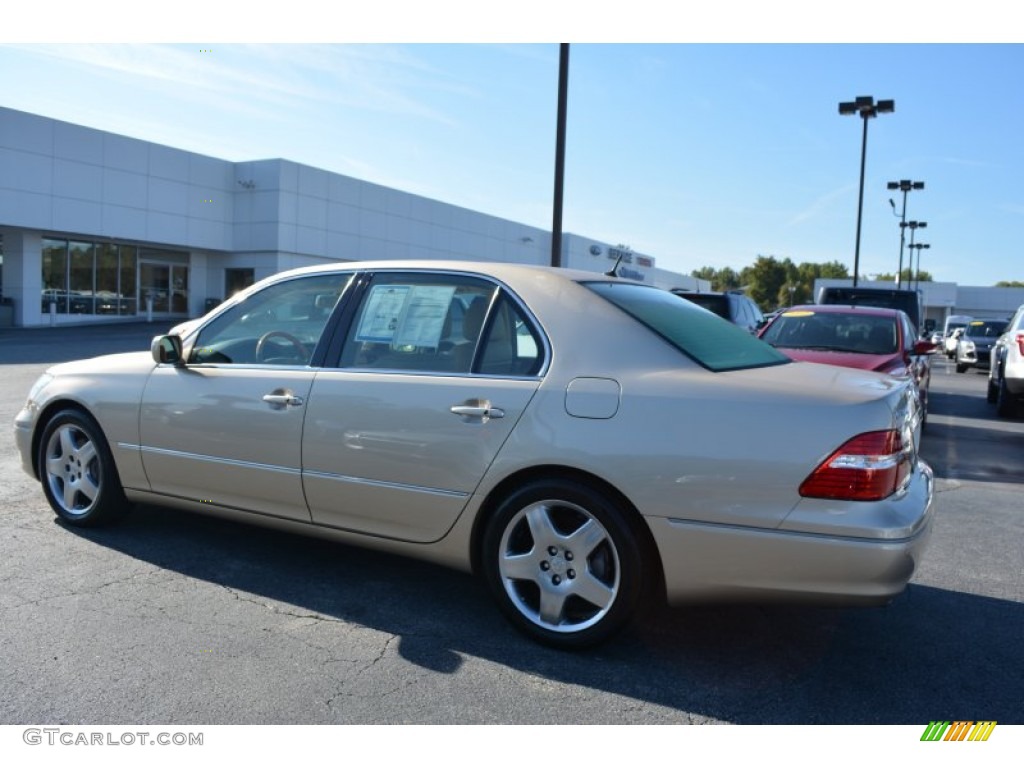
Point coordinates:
[[95, 226]]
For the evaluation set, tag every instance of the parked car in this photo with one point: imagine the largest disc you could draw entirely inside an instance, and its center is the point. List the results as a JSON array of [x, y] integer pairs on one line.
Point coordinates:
[[949, 345], [869, 338], [566, 442], [908, 300], [952, 323], [974, 348], [1006, 367], [735, 307]]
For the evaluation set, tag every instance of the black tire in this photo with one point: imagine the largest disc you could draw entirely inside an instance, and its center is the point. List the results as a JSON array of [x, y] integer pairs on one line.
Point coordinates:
[[993, 391], [77, 471], [961, 368], [1006, 404], [591, 583]]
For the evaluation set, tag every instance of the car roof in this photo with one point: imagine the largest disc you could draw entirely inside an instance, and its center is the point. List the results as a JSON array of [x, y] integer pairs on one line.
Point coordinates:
[[495, 269], [844, 309]]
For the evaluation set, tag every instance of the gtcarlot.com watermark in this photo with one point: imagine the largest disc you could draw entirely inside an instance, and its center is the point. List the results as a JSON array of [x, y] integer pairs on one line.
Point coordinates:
[[75, 738]]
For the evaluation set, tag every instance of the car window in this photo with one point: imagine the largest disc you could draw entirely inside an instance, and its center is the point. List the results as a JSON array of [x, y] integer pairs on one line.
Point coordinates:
[[835, 331], [512, 345], [705, 338], [278, 325], [756, 315], [714, 302], [419, 323]]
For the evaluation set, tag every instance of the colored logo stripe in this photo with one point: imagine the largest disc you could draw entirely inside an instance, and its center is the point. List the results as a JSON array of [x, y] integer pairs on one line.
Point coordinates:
[[959, 730]]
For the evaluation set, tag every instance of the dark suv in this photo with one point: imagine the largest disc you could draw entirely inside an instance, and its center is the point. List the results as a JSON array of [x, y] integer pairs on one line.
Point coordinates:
[[733, 306]]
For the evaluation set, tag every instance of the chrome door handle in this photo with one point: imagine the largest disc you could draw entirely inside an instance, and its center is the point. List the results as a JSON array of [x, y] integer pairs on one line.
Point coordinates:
[[483, 412], [282, 400]]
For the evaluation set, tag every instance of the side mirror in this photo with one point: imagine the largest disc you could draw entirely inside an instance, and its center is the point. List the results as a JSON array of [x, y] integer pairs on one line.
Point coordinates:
[[924, 348], [167, 350]]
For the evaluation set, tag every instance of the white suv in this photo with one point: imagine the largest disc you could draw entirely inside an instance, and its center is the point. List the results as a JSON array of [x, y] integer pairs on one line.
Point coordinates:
[[1006, 373]]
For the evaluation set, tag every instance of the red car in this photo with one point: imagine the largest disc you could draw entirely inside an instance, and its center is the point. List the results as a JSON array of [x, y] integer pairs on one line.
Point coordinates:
[[869, 338]]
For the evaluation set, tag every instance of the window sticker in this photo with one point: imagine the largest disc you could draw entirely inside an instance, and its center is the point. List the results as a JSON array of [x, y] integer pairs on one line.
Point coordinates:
[[422, 319], [405, 316], [380, 316]]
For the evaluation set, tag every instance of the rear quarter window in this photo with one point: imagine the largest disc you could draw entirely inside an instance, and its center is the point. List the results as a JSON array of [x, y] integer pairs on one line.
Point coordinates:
[[712, 342]]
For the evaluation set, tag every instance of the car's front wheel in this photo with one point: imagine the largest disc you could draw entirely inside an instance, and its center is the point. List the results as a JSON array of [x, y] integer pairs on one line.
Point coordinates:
[[564, 563], [77, 471]]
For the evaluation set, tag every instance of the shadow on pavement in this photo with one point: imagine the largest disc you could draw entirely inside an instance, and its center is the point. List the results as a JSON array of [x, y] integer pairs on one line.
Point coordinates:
[[949, 655]]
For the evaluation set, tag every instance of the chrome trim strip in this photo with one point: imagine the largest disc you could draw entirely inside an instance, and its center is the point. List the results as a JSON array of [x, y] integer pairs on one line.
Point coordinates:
[[218, 460], [433, 374], [385, 484]]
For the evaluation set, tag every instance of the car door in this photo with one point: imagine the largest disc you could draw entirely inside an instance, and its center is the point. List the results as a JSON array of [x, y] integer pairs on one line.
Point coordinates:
[[434, 372], [226, 428]]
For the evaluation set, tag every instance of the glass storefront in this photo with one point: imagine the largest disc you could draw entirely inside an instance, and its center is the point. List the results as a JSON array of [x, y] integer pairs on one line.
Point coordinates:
[[87, 278]]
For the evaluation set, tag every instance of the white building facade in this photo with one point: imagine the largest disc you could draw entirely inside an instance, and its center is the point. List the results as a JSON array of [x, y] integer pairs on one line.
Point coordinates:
[[96, 226]]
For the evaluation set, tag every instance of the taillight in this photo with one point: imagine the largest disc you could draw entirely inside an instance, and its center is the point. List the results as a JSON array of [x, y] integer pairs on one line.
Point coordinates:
[[1020, 343], [869, 467]]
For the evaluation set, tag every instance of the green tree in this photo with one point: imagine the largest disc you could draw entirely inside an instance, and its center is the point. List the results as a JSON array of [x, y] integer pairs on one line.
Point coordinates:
[[906, 276], [1010, 284], [724, 279], [765, 278]]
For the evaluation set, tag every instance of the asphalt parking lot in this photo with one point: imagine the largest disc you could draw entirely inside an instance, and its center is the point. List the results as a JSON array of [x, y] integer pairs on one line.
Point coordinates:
[[176, 618]]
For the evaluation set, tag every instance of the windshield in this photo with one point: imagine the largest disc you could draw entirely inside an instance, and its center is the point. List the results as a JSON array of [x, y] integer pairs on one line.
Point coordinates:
[[714, 343], [833, 331], [986, 329]]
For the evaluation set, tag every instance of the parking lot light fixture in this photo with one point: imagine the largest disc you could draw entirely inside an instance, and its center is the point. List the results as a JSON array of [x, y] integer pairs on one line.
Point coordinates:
[[913, 226], [917, 273], [904, 186], [866, 107]]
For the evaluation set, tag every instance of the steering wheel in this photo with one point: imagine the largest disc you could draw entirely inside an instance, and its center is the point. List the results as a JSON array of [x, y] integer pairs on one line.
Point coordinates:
[[299, 346]]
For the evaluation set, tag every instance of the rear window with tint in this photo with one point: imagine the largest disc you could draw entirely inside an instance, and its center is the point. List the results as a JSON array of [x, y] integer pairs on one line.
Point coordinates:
[[714, 343]]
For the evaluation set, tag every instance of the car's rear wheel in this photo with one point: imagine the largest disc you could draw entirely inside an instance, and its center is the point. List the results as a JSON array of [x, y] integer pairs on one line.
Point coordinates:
[[564, 563], [77, 471], [993, 391], [1006, 404]]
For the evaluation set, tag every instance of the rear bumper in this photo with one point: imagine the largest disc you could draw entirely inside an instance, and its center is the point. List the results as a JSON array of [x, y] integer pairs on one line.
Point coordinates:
[[848, 553]]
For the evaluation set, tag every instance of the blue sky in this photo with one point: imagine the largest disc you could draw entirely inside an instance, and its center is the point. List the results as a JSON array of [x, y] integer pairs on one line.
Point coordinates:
[[700, 154]]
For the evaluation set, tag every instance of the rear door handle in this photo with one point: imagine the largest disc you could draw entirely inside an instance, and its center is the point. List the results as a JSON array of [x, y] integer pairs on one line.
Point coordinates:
[[281, 399], [482, 410]]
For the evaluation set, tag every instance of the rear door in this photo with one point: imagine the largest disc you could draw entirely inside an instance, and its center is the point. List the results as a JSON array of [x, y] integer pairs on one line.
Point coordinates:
[[434, 371]]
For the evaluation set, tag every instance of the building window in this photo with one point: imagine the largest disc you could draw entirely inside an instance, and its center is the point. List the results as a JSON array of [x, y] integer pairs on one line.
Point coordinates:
[[236, 280], [55, 275], [86, 278], [82, 274]]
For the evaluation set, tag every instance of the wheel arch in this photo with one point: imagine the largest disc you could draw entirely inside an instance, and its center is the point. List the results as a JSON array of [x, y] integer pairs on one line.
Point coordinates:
[[559, 472]]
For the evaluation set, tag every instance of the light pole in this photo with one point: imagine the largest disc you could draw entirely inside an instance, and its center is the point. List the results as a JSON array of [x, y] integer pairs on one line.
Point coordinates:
[[917, 273], [866, 107], [556, 215], [914, 226], [904, 186]]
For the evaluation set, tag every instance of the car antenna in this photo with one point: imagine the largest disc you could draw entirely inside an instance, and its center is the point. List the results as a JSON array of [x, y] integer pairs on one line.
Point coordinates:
[[611, 272]]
